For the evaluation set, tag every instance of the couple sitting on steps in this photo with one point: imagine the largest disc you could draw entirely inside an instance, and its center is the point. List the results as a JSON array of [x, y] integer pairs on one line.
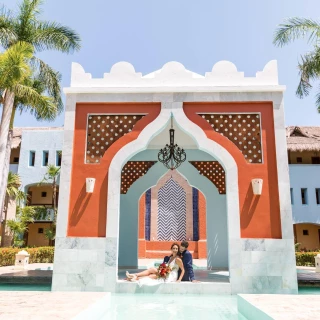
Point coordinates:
[[180, 268]]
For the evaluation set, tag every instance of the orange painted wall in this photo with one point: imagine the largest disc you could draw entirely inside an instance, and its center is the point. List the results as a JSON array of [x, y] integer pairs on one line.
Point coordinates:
[[259, 215], [88, 212]]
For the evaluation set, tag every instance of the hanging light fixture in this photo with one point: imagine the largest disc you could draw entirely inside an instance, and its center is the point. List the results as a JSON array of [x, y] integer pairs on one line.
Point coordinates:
[[172, 155]]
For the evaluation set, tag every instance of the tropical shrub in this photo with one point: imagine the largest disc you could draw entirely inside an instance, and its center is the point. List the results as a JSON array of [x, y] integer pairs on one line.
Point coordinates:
[[37, 255], [306, 259]]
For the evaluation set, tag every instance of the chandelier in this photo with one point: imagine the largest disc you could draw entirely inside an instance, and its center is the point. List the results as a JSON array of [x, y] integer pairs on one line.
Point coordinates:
[[172, 155]]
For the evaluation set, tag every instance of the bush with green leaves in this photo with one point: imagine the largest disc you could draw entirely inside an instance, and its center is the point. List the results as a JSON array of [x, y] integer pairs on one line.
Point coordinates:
[[306, 259], [37, 255], [18, 226]]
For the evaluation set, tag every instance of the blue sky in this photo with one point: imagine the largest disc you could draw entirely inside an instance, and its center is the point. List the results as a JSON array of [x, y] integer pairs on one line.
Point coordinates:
[[149, 33]]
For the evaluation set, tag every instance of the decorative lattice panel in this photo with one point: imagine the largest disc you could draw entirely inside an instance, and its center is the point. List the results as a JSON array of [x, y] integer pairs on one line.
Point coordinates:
[[213, 171], [242, 129], [104, 130], [132, 171], [172, 212]]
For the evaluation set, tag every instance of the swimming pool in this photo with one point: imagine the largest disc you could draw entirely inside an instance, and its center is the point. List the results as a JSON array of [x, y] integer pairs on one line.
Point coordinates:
[[309, 290], [24, 287], [156, 307]]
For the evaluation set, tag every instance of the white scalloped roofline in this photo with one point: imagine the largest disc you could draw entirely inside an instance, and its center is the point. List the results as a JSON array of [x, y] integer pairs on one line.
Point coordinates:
[[174, 77]]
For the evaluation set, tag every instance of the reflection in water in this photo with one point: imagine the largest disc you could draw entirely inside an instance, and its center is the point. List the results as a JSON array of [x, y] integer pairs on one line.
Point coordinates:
[[172, 307]]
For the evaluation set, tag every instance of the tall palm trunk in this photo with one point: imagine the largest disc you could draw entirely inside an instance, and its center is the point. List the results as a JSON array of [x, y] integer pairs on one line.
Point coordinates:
[[54, 194], [8, 104], [6, 172], [4, 224], [54, 204]]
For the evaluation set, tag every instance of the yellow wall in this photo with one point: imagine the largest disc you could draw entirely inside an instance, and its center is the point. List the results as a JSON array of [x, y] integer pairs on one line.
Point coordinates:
[[36, 195], [311, 241], [35, 238], [305, 155]]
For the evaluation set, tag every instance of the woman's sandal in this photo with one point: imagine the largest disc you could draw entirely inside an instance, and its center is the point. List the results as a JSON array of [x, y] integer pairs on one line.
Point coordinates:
[[129, 276], [134, 278]]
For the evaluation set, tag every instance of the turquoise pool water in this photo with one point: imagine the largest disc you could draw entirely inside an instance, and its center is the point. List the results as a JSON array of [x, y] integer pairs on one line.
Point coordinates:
[[305, 271], [177, 307], [306, 290], [24, 287]]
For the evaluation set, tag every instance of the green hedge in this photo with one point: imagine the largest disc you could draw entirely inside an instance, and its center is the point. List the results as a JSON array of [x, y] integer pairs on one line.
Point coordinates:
[[306, 258], [37, 255], [45, 255]]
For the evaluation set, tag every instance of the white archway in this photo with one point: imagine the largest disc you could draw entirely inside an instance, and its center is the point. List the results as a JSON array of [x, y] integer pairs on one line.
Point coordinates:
[[140, 144]]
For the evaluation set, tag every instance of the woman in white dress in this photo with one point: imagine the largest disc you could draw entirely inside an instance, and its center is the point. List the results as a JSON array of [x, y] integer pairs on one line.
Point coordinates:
[[150, 276]]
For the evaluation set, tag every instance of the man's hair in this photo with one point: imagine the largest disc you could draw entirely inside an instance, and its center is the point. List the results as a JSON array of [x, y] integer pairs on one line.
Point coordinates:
[[185, 244]]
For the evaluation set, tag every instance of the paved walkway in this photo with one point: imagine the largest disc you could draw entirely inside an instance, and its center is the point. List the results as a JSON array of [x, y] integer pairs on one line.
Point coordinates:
[[32, 266], [308, 277], [36, 273], [279, 307], [52, 305]]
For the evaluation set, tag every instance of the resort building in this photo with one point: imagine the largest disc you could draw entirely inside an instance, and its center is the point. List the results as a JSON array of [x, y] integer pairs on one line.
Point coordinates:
[[304, 168], [32, 150]]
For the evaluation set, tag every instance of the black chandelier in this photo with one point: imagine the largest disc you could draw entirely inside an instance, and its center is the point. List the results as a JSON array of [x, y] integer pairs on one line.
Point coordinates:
[[172, 155]]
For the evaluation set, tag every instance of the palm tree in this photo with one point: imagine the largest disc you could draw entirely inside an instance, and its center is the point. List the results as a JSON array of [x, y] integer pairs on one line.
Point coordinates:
[[309, 66], [18, 226], [14, 193], [41, 35], [15, 79], [51, 176]]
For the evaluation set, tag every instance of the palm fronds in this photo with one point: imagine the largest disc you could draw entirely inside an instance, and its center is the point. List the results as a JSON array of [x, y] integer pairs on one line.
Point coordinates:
[[14, 64], [296, 28], [54, 36], [309, 66]]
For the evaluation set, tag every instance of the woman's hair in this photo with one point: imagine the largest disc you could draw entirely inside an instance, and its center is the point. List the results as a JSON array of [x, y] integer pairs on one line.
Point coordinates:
[[176, 244]]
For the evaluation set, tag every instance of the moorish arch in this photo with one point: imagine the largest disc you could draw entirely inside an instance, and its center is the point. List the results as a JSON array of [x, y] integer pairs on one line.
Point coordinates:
[[185, 205], [211, 238], [207, 145]]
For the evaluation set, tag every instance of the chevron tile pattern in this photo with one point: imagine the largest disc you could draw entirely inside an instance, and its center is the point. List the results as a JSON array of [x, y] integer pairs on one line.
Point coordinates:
[[172, 212]]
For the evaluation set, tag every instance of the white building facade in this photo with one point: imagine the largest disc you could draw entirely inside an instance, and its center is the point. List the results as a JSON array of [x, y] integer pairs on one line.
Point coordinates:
[[33, 149]]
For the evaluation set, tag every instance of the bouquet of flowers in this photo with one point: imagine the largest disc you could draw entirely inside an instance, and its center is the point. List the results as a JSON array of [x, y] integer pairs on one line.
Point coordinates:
[[163, 270]]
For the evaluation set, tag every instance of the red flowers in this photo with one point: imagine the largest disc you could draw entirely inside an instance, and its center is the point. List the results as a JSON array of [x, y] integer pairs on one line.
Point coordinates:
[[163, 270]]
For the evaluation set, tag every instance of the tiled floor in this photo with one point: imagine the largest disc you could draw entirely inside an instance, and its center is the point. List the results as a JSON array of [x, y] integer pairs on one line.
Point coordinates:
[[52, 305], [279, 307], [308, 277], [36, 273]]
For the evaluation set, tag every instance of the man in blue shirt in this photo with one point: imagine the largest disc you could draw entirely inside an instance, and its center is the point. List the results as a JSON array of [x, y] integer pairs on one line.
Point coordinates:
[[187, 262]]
